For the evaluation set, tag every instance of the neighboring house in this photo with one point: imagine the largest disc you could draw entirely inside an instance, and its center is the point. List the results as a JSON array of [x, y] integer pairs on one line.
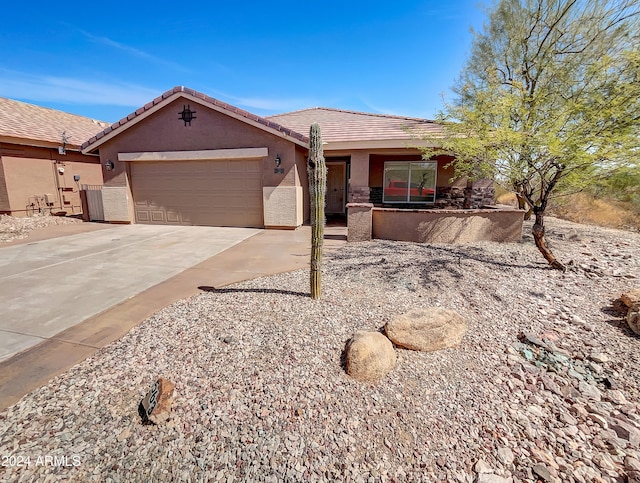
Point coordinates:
[[41, 166], [186, 158]]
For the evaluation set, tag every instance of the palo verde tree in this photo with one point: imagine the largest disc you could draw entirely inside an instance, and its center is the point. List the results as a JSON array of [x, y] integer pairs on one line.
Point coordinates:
[[317, 172], [549, 95]]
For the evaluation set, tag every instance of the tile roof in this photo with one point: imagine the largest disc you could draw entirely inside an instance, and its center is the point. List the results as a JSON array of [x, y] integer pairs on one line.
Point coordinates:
[[339, 125], [219, 105], [36, 125]]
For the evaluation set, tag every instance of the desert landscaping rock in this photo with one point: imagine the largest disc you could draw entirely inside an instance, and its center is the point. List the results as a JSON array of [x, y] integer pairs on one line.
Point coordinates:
[[426, 329], [631, 297], [155, 407], [633, 318], [491, 478], [277, 405], [15, 228], [369, 356]]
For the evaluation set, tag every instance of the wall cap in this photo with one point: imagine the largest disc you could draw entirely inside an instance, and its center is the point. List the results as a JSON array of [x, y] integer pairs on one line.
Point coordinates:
[[359, 205], [460, 211]]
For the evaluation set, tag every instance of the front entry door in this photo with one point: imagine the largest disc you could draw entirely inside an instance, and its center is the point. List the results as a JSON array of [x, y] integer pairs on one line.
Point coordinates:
[[336, 181]]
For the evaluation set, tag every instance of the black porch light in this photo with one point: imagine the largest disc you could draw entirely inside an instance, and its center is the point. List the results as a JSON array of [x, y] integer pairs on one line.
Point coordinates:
[[187, 115]]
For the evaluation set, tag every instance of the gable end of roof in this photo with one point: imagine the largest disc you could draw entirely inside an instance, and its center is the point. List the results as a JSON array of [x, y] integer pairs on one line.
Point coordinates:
[[177, 91]]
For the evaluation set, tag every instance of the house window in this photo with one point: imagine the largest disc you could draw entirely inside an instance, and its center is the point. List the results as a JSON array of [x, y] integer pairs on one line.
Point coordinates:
[[409, 182]]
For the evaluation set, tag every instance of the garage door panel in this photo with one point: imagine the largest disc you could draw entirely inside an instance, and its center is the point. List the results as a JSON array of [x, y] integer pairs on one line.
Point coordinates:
[[203, 185], [157, 216], [193, 202], [214, 193]]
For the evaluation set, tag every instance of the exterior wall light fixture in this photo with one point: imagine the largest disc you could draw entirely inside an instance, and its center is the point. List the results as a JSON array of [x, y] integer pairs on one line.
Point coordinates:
[[278, 162], [109, 165]]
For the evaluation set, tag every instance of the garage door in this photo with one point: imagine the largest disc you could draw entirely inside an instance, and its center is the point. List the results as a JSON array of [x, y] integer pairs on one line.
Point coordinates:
[[210, 193]]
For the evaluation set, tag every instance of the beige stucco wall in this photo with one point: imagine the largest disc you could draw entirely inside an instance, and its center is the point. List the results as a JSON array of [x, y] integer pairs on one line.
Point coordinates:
[[117, 204], [359, 169], [303, 181], [4, 195], [448, 226], [31, 172], [278, 202], [211, 130]]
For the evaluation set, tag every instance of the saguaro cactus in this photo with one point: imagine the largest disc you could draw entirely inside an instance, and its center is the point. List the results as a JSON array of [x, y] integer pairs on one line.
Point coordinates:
[[317, 172]]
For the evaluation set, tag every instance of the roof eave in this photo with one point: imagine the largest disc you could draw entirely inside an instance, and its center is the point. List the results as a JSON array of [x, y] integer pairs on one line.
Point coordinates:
[[379, 144], [37, 143], [147, 110]]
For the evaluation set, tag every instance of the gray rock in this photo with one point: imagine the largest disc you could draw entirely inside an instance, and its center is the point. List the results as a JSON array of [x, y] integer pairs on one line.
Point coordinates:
[[505, 455], [481, 467], [589, 391], [604, 461], [568, 419], [615, 396], [427, 329], [491, 478], [631, 464], [550, 385], [627, 431], [535, 410], [532, 339], [599, 357], [542, 471], [596, 418]]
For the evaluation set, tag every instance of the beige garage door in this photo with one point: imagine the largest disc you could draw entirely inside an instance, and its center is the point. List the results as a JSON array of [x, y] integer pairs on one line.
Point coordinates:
[[210, 193]]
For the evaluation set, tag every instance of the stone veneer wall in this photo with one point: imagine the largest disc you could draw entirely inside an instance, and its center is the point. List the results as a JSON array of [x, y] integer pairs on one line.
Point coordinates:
[[359, 194], [473, 196], [482, 193], [450, 197]]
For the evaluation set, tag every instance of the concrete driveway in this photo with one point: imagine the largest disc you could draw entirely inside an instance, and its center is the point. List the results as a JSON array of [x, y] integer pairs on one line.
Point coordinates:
[[51, 285]]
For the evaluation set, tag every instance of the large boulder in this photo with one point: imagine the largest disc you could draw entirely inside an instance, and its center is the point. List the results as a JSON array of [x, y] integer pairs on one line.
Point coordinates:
[[428, 329], [631, 297], [369, 356], [633, 318]]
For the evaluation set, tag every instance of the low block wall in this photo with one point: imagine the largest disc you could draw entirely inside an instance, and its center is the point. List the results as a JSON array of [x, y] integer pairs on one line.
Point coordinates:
[[282, 206], [448, 226], [359, 222]]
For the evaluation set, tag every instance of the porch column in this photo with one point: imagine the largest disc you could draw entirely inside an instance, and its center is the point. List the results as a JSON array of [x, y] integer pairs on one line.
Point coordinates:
[[359, 181]]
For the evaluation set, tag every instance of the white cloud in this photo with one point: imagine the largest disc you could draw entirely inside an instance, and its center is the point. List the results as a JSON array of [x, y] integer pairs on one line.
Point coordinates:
[[45, 88], [268, 105], [378, 109], [133, 51]]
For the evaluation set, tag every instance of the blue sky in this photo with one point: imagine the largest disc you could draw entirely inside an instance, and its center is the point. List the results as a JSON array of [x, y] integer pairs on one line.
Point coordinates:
[[105, 59]]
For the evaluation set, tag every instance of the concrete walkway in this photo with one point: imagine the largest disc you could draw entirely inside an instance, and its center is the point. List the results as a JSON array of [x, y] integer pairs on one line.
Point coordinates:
[[262, 252]]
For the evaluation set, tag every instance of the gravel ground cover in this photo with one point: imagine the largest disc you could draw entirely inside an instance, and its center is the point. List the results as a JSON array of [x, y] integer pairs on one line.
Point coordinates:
[[544, 386], [15, 228]]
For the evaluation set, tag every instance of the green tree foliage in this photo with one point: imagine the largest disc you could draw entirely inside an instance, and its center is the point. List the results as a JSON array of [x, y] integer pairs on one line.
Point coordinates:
[[622, 184], [549, 96]]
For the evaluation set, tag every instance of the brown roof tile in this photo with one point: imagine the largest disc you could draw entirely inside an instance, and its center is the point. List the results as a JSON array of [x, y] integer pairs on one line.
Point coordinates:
[[210, 100], [339, 125], [41, 124]]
